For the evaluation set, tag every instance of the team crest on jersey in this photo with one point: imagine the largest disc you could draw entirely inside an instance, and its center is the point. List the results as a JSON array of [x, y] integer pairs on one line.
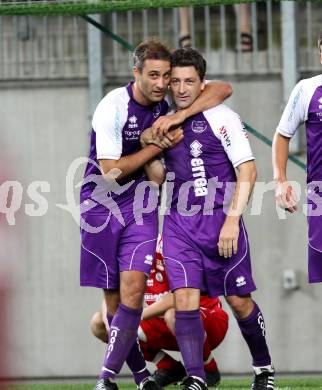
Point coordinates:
[[157, 110], [198, 126], [159, 277], [195, 148], [149, 283], [240, 281]]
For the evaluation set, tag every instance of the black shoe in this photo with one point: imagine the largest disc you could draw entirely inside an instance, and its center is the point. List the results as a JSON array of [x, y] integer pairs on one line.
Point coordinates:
[[105, 384], [165, 377], [212, 378], [193, 383], [263, 379], [149, 384]]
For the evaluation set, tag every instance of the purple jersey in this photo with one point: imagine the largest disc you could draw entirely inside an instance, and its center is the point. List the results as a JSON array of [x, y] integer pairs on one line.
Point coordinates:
[[215, 142], [305, 106], [117, 125]]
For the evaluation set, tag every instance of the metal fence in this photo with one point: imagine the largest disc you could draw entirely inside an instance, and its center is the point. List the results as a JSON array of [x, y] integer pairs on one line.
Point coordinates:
[[42, 47], [56, 47]]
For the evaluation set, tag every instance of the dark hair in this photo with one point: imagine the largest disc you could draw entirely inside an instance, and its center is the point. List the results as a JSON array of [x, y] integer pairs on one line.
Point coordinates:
[[320, 42], [189, 57], [151, 49]]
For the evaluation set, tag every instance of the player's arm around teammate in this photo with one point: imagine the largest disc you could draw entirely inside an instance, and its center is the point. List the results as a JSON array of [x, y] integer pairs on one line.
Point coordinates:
[[155, 168], [214, 93]]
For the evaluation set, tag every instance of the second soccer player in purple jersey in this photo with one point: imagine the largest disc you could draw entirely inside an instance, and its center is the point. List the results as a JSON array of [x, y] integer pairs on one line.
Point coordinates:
[[117, 252], [205, 240], [304, 106]]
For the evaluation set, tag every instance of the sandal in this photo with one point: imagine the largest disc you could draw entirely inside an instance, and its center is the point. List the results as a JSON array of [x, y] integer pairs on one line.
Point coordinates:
[[246, 43], [185, 41]]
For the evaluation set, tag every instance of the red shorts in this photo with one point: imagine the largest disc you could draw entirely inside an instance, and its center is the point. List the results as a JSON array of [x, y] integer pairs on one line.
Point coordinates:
[[215, 322], [158, 335]]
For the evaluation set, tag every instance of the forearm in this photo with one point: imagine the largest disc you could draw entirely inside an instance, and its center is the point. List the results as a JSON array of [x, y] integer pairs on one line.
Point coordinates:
[[244, 187], [279, 156], [155, 171], [215, 93], [158, 308], [128, 164]]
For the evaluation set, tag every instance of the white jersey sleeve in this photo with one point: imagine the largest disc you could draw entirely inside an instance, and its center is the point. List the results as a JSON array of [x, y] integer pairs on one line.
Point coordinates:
[[229, 129], [108, 121], [295, 112], [297, 108]]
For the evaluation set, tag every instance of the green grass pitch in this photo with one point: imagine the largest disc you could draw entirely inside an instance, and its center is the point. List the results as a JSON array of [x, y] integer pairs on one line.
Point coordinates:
[[281, 384]]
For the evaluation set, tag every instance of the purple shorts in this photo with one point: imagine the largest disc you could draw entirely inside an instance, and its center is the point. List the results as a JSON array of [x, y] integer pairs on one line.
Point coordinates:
[[116, 248], [192, 258], [315, 249]]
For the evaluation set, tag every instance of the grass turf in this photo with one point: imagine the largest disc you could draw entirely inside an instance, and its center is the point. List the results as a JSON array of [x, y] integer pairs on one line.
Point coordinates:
[[281, 384]]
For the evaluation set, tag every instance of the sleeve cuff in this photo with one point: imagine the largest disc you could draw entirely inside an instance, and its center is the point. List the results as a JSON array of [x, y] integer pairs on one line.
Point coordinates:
[[280, 131], [249, 158], [107, 157]]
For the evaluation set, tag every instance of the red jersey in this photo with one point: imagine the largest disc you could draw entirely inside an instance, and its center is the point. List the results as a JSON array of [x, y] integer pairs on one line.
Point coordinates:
[[207, 302], [157, 284]]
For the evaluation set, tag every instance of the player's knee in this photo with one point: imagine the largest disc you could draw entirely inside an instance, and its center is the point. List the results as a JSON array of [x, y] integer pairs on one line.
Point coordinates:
[[185, 299], [132, 295], [169, 318], [132, 289], [241, 306], [133, 299]]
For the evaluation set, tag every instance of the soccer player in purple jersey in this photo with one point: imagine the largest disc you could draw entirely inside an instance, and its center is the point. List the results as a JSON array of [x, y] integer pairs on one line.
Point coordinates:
[[205, 240], [116, 252], [304, 106]]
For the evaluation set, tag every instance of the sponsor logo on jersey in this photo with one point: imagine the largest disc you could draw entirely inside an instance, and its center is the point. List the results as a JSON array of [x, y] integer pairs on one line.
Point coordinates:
[[223, 132], [156, 110], [195, 148], [240, 281], [154, 297], [198, 169], [198, 126], [148, 259], [132, 134]]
